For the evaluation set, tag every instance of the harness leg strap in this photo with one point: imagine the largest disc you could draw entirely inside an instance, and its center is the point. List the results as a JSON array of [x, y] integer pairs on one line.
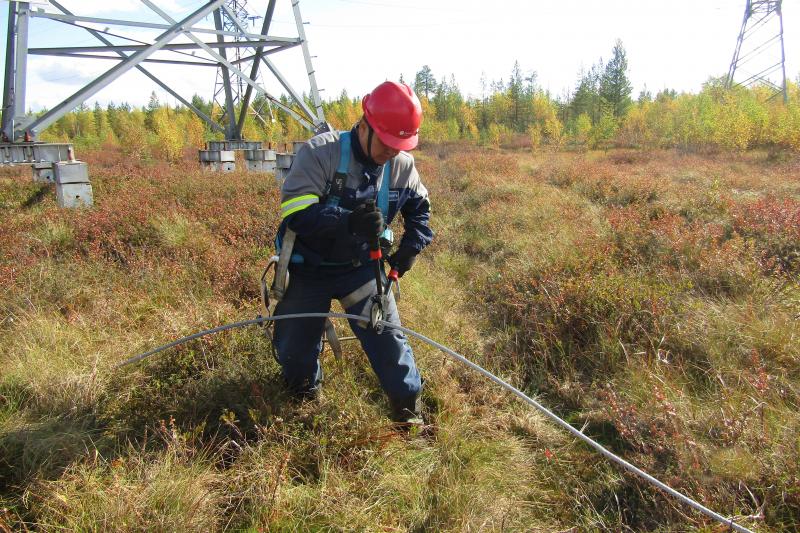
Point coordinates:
[[333, 339], [282, 268]]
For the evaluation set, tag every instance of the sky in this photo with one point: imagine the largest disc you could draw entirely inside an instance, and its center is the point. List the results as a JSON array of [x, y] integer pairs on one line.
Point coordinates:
[[356, 44]]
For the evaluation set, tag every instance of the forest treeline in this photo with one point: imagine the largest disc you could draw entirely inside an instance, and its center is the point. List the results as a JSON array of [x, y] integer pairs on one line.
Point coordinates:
[[599, 112]]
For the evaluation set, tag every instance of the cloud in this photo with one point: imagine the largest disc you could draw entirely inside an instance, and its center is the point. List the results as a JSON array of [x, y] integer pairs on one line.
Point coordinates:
[[62, 72]]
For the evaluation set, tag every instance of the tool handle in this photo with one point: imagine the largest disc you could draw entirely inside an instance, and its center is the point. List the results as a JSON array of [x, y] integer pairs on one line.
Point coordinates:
[[374, 244], [392, 277]]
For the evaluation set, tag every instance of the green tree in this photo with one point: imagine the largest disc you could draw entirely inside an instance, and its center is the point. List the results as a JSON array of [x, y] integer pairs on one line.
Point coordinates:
[[203, 105], [101, 124], [615, 87], [519, 95], [586, 99], [447, 100], [425, 82], [149, 111], [583, 126], [604, 131], [644, 96]]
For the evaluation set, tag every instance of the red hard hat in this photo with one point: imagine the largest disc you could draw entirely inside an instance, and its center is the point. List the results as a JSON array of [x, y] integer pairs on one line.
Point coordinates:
[[394, 112]]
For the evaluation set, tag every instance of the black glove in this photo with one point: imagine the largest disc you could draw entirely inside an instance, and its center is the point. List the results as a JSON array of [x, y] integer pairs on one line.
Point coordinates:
[[403, 259], [365, 221]]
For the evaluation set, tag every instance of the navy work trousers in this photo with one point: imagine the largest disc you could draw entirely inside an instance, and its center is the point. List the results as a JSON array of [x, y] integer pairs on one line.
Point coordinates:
[[298, 341]]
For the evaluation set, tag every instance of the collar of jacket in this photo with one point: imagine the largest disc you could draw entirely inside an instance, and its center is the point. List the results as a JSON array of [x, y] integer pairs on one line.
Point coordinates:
[[371, 168]]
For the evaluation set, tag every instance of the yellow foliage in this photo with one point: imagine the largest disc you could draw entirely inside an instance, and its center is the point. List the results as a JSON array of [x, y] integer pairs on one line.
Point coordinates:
[[468, 122], [293, 131], [427, 109], [252, 129], [786, 127], [733, 130], [583, 126], [553, 131], [633, 131], [194, 129], [716, 118], [432, 130], [535, 135], [343, 113], [497, 134], [133, 136], [170, 141]]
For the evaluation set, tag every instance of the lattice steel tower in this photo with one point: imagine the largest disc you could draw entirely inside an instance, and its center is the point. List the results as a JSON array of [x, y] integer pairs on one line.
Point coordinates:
[[230, 94], [175, 42], [759, 48]]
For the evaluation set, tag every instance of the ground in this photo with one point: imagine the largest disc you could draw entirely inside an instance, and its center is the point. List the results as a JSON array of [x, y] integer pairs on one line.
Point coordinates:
[[649, 297]]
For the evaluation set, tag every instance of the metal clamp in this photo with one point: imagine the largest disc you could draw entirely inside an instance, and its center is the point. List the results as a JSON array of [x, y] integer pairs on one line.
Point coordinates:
[[376, 312]]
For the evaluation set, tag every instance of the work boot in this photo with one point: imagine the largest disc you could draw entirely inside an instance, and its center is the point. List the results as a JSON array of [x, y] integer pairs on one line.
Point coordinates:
[[306, 395], [407, 412], [305, 391]]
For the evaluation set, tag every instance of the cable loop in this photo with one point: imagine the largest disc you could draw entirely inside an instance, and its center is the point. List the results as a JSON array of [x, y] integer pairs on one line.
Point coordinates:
[[541, 408]]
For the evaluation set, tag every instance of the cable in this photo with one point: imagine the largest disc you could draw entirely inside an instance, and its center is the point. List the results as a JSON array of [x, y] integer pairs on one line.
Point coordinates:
[[541, 408]]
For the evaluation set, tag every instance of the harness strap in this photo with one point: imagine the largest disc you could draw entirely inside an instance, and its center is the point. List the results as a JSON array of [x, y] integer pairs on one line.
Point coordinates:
[[365, 291], [333, 339], [383, 192], [344, 160], [334, 196], [337, 185], [282, 268]]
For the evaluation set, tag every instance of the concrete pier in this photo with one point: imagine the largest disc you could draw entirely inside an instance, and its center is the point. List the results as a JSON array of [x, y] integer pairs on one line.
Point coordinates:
[[72, 184], [218, 160]]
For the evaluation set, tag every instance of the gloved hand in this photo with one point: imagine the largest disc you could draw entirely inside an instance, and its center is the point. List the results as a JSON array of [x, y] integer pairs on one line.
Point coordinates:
[[365, 221], [403, 259]]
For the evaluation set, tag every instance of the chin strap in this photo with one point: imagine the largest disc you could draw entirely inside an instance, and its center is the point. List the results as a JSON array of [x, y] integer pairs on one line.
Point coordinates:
[[369, 140]]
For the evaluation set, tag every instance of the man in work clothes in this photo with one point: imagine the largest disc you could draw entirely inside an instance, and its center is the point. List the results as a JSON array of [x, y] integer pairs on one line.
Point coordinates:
[[342, 192]]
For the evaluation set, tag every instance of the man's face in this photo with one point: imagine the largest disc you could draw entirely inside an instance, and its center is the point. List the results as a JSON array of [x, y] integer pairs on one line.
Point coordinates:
[[380, 152]]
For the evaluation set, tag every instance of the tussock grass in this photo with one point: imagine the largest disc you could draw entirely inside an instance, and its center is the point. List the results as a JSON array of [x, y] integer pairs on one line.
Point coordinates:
[[650, 297]]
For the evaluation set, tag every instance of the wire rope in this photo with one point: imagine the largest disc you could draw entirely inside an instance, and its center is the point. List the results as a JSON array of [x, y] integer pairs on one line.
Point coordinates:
[[729, 522]]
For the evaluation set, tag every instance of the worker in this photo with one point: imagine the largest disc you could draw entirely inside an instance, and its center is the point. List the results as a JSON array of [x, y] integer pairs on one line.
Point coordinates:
[[338, 198]]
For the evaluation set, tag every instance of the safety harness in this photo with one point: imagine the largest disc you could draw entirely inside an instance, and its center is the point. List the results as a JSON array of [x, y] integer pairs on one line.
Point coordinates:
[[284, 244]]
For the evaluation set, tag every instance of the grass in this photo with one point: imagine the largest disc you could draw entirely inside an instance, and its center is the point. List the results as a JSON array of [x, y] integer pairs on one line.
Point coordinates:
[[650, 297]]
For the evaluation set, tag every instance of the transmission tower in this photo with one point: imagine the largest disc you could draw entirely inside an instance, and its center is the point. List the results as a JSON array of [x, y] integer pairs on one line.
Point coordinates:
[[177, 43], [759, 57], [187, 43], [225, 103]]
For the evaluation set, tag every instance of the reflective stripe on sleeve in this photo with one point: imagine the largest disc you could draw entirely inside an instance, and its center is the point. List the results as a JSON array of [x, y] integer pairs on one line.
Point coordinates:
[[297, 204]]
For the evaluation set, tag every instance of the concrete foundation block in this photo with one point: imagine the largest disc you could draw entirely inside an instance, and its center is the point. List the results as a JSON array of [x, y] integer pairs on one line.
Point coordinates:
[[217, 156], [72, 195], [71, 172], [296, 145], [259, 155], [233, 145], [219, 166], [260, 166], [247, 145], [218, 160], [284, 160], [280, 175], [43, 173]]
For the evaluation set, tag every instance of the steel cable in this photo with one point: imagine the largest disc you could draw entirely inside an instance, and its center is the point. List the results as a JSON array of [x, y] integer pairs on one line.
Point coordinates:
[[541, 408]]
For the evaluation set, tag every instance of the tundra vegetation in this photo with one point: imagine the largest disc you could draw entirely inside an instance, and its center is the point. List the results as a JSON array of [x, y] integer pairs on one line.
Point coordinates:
[[637, 272]]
